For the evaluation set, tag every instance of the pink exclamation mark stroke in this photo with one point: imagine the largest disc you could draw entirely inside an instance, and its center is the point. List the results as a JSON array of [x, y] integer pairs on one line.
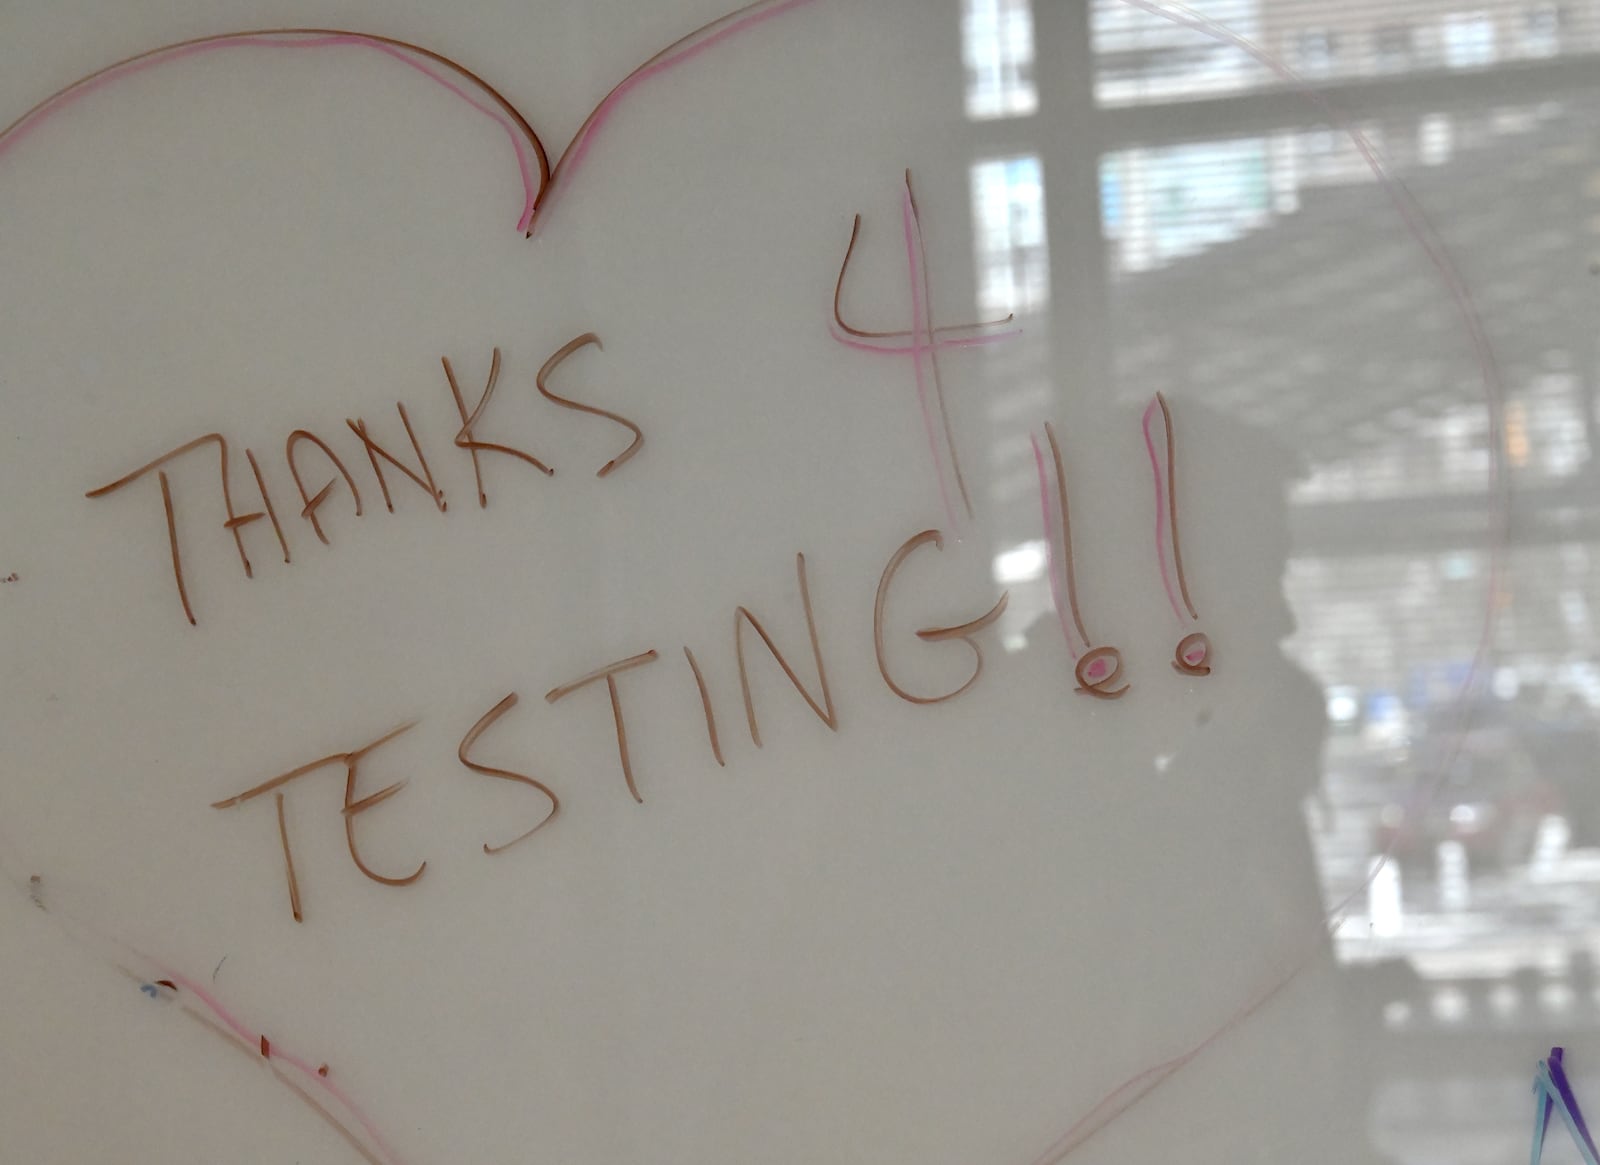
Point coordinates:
[[1192, 656], [1048, 518], [1098, 668], [1128, 1093]]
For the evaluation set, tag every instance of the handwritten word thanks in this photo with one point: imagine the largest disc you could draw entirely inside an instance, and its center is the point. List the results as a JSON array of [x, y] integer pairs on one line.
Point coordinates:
[[309, 456]]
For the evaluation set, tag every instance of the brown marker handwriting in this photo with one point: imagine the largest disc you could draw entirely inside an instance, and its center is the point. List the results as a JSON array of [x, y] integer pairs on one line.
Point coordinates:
[[352, 806], [1193, 654], [380, 456], [471, 738], [465, 439], [234, 521], [1099, 668], [424, 480], [741, 615], [266, 500], [963, 631], [288, 860], [705, 705], [1099, 673], [172, 541], [862, 333], [314, 502], [609, 674], [561, 354]]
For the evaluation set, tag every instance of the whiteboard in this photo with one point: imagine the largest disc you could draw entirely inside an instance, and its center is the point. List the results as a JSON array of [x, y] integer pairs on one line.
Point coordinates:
[[850, 591]]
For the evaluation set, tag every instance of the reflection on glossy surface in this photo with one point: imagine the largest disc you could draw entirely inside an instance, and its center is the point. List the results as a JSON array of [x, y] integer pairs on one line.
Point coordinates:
[[997, 44], [1252, 264], [1335, 851], [1142, 57]]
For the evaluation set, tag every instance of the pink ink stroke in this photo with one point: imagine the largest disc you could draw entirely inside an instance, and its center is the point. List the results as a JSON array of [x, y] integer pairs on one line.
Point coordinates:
[[918, 347], [1134, 1088], [252, 1040], [523, 140], [933, 350], [538, 176], [1047, 512], [892, 349], [924, 340], [1421, 229], [1162, 518], [682, 50], [117, 953], [1125, 1095]]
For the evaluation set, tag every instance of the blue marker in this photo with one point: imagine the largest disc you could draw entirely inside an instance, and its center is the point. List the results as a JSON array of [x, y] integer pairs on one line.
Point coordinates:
[[1554, 1093]]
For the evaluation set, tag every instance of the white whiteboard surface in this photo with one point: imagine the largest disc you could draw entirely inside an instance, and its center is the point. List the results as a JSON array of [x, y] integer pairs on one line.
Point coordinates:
[[972, 930]]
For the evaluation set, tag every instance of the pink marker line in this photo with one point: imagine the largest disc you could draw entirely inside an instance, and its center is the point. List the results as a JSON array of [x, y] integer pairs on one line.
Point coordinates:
[[1420, 229], [252, 1040], [95, 940], [1125, 1095], [894, 349], [1161, 510], [1121, 1098], [729, 25], [530, 191], [918, 346], [933, 353], [14, 134], [536, 186], [1047, 512]]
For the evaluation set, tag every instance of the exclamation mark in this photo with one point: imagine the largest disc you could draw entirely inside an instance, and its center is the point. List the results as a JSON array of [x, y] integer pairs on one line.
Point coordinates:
[[1098, 668], [1192, 656]]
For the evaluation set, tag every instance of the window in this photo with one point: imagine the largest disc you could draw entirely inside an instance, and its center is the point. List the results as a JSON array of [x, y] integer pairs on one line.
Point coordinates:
[[1469, 41], [1013, 256], [1316, 52], [997, 45], [1391, 48], [1541, 30], [1436, 139]]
